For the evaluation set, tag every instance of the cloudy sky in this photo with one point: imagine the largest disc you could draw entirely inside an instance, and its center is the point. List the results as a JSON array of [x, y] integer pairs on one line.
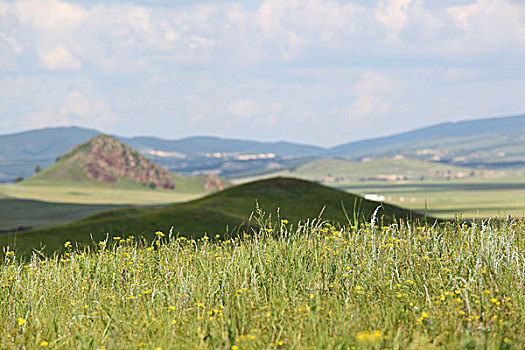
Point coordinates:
[[314, 71]]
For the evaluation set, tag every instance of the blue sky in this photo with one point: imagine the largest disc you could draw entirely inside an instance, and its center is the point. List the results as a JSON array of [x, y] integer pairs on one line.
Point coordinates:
[[314, 71]]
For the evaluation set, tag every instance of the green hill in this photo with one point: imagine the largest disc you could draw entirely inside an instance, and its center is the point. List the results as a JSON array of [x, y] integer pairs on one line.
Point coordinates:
[[221, 213]]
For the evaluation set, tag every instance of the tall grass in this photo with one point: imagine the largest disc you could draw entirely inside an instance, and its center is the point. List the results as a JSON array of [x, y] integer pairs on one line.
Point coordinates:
[[310, 285]]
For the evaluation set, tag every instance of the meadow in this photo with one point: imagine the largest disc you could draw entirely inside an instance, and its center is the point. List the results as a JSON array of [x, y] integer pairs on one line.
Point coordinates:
[[443, 191], [45, 204], [287, 285], [448, 199]]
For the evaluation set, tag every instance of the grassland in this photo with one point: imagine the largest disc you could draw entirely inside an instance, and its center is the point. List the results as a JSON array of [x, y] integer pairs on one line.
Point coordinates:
[[342, 172], [225, 213], [445, 191], [16, 213], [81, 193], [448, 199], [288, 286]]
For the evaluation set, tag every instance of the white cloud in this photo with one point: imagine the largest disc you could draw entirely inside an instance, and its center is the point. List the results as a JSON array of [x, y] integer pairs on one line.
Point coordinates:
[[393, 15], [75, 109], [60, 59], [489, 25], [373, 96], [77, 106], [44, 118], [244, 108], [246, 63], [48, 15]]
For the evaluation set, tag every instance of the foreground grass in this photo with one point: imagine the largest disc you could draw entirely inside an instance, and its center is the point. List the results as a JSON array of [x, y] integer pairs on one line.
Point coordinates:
[[310, 286]]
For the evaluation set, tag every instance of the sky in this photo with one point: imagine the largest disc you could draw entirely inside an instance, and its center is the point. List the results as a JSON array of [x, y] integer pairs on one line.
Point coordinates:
[[321, 72]]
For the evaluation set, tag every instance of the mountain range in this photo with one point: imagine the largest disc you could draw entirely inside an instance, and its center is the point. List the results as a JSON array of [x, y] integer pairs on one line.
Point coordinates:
[[494, 142]]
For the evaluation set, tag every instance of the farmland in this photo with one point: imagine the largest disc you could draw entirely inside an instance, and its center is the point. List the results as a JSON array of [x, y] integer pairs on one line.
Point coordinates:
[[284, 286]]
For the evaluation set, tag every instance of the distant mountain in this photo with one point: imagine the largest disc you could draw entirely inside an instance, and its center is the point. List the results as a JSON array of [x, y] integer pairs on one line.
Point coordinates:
[[494, 141], [218, 213], [20, 153], [199, 145], [104, 159]]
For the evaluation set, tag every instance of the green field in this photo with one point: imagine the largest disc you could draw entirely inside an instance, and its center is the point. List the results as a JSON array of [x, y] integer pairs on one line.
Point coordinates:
[[446, 191], [40, 204], [290, 286], [15, 213], [74, 192], [468, 199], [226, 213]]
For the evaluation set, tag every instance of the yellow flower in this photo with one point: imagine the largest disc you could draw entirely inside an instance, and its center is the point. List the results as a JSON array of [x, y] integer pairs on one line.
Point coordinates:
[[235, 347], [21, 321], [160, 234], [44, 343]]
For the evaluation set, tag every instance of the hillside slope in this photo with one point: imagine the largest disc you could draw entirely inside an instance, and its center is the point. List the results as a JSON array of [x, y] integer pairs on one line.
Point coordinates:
[[226, 211]]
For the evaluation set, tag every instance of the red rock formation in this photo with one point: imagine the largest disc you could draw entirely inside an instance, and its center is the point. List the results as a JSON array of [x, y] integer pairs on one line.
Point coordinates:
[[106, 159]]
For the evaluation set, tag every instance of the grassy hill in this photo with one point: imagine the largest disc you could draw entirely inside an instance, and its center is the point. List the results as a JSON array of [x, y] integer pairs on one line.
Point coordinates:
[[220, 213], [493, 141]]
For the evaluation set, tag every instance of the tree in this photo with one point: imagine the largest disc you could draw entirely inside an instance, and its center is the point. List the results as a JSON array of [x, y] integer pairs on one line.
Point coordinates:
[[38, 169], [19, 178]]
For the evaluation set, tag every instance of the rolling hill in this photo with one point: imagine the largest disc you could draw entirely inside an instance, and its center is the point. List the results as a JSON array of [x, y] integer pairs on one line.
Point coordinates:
[[220, 213], [489, 142]]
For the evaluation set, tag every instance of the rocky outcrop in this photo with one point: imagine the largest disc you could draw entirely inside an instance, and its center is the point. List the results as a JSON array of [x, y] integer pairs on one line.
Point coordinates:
[[106, 159]]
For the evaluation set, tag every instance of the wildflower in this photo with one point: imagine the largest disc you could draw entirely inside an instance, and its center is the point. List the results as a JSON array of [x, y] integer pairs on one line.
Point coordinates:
[[21, 321], [235, 347], [369, 337], [67, 244], [44, 343], [159, 234]]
